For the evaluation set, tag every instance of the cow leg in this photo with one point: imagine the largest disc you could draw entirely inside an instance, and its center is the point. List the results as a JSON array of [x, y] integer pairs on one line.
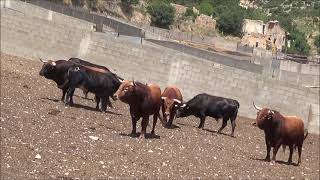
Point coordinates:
[[268, 148], [233, 123], [291, 152], [109, 103], [224, 124], [69, 97], [85, 92], [97, 101], [104, 103], [63, 95], [144, 124], [155, 119], [134, 120], [169, 123], [202, 120], [275, 150], [299, 153]]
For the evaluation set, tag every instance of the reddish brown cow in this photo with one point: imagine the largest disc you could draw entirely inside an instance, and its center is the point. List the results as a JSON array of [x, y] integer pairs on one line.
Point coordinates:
[[280, 130], [144, 100], [171, 101]]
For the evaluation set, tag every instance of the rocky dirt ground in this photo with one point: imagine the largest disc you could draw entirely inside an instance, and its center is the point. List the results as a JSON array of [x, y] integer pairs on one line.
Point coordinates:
[[41, 139]]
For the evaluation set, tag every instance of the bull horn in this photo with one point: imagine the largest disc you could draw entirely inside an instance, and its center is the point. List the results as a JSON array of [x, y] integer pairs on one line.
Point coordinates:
[[42, 60], [177, 101], [183, 105], [258, 108], [53, 63], [163, 98]]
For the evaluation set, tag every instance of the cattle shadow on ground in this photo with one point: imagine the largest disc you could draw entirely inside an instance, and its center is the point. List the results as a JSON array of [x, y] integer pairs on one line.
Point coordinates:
[[94, 109], [114, 113], [148, 135], [84, 97], [277, 161], [214, 131], [85, 107], [50, 99], [173, 126]]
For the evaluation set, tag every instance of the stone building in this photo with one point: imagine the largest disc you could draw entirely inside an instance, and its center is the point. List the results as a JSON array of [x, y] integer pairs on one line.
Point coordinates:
[[205, 22], [266, 36]]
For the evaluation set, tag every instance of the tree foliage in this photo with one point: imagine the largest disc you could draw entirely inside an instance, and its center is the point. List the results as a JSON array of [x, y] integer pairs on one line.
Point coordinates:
[[205, 8], [162, 13], [317, 43], [230, 22], [189, 13], [298, 43], [129, 3]]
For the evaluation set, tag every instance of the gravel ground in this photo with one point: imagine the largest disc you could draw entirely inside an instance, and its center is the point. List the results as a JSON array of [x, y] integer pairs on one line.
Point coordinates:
[[41, 139]]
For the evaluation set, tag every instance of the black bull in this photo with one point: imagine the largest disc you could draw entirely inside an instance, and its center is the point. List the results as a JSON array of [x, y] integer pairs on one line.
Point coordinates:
[[57, 71], [103, 85], [203, 105]]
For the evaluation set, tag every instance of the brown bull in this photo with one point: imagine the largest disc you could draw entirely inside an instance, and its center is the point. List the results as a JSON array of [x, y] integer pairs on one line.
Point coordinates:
[[280, 130], [144, 100], [171, 101]]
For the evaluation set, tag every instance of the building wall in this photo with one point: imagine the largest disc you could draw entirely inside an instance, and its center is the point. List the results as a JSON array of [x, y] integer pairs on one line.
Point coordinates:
[[252, 26], [33, 37]]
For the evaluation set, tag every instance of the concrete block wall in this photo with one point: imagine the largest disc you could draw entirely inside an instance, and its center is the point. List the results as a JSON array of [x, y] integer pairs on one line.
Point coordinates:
[[34, 37]]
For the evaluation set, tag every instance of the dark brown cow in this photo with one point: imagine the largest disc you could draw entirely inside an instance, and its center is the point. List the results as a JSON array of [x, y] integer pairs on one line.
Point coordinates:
[[144, 100], [171, 101], [280, 130]]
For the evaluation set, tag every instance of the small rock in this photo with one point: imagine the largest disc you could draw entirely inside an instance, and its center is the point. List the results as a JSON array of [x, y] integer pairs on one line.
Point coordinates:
[[94, 137], [38, 156]]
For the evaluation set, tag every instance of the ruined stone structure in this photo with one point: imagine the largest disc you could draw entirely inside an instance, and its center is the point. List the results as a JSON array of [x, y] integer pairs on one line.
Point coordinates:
[[266, 36], [206, 22]]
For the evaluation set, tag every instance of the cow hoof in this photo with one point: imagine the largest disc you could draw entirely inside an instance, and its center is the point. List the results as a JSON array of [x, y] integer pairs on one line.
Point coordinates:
[[141, 137], [133, 134]]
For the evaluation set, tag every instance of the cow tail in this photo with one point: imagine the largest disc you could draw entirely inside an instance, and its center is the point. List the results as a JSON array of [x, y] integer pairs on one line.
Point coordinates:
[[306, 135]]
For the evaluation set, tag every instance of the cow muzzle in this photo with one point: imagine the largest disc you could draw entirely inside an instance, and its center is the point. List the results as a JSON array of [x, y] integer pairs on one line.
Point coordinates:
[[115, 97]]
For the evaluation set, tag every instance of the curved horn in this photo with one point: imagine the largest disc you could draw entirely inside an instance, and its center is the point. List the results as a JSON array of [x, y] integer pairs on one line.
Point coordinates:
[[258, 108], [53, 63], [183, 105], [177, 101], [42, 60]]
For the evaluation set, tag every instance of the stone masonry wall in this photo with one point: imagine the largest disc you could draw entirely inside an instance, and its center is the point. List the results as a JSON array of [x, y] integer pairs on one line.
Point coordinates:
[[33, 37]]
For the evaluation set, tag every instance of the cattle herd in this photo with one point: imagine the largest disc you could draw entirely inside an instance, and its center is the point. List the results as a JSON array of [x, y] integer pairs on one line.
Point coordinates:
[[146, 99]]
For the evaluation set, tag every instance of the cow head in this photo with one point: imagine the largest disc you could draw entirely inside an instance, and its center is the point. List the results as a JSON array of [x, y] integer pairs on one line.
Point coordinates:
[[125, 91], [185, 110], [48, 69], [170, 105], [264, 116]]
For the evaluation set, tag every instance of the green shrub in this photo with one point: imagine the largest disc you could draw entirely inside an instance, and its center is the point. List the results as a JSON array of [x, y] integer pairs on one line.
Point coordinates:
[[189, 13], [127, 4], [317, 42], [230, 22], [298, 44], [205, 8], [162, 13]]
